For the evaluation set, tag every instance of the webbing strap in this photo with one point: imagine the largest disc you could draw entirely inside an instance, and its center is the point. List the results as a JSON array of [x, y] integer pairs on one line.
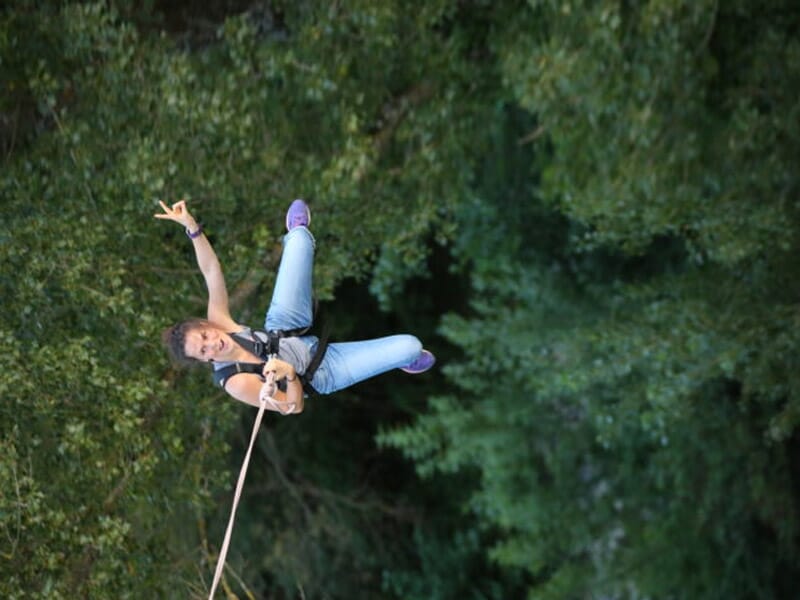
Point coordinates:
[[221, 376], [239, 484], [265, 343]]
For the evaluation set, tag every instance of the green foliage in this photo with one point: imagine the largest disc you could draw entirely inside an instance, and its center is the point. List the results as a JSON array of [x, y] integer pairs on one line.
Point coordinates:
[[607, 431], [661, 117], [113, 459], [618, 415], [628, 390]]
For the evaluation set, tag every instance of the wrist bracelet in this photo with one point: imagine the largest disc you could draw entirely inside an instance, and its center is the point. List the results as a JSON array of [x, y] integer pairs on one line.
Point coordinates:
[[196, 234], [292, 379]]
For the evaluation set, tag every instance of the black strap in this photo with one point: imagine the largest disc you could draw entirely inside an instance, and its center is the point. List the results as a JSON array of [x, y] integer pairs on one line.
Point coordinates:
[[316, 361], [222, 375], [263, 349]]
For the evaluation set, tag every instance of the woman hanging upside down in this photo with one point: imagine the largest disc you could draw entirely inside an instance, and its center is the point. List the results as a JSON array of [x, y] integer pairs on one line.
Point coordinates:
[[280, 364]]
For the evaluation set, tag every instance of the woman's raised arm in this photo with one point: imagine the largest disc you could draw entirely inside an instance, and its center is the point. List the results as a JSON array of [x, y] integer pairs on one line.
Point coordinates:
[[218, 309]]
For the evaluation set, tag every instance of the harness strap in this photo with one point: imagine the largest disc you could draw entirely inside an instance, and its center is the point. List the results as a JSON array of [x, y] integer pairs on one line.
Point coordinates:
[[264, 348], [316, 361], [222, 375], [261, 348]]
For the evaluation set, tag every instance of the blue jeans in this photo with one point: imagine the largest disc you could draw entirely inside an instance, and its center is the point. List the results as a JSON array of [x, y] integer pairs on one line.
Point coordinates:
[[345, 363]]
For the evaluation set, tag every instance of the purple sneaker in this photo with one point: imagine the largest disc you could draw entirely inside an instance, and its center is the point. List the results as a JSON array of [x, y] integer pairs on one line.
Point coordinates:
[[423, 362], [298, 215]]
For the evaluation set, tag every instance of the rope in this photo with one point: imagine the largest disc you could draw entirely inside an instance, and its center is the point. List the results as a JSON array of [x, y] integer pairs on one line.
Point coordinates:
[[270, 379]]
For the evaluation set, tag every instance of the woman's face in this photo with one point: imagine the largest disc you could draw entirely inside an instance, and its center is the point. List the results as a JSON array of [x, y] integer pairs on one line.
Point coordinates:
[[208, 343]]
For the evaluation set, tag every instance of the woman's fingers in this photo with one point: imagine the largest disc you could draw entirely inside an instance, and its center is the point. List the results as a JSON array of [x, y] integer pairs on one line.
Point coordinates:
[[178, 208], [167, 214]]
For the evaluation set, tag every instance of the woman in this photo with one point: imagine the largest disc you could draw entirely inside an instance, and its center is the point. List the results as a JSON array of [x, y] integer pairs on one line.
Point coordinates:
[[251, 364]]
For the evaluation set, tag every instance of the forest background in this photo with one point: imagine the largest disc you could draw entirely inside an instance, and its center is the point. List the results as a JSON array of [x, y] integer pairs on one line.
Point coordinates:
[[587, 209]]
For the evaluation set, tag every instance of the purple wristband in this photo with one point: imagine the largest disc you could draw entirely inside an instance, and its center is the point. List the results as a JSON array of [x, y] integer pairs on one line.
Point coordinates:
[[195, 234]]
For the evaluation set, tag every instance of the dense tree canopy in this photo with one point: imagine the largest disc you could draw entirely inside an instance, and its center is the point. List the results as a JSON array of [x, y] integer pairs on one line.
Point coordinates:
[[588, 210]]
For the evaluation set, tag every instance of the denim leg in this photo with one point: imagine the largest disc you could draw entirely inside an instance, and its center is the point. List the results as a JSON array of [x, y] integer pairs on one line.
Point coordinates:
[[291, 306], [347, 363]]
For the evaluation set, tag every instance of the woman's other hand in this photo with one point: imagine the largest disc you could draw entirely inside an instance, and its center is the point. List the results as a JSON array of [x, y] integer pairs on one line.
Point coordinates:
[[280, 368], [269, 394]]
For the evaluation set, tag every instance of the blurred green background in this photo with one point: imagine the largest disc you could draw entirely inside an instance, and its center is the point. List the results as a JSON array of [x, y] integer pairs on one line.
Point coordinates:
[[588, 209]]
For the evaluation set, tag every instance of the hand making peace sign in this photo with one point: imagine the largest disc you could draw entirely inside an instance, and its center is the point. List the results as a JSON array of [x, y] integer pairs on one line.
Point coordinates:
[[178, 213]]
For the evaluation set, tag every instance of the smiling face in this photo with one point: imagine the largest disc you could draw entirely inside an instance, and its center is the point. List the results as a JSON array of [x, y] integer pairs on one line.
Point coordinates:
[[208, 343]]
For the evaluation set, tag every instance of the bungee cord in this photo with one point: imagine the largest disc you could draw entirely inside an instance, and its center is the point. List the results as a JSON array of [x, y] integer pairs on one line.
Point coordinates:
[[265, 397]]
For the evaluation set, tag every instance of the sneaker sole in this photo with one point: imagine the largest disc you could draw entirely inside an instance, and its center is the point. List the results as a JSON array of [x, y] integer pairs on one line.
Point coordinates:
[[308, 216], [418, 371]]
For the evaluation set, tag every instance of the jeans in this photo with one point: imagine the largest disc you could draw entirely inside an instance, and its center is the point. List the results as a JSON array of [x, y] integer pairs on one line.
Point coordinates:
[[345, 363]]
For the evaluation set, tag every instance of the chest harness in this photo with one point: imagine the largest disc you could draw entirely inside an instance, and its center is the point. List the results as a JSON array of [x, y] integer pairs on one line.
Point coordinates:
[[264, 345]]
